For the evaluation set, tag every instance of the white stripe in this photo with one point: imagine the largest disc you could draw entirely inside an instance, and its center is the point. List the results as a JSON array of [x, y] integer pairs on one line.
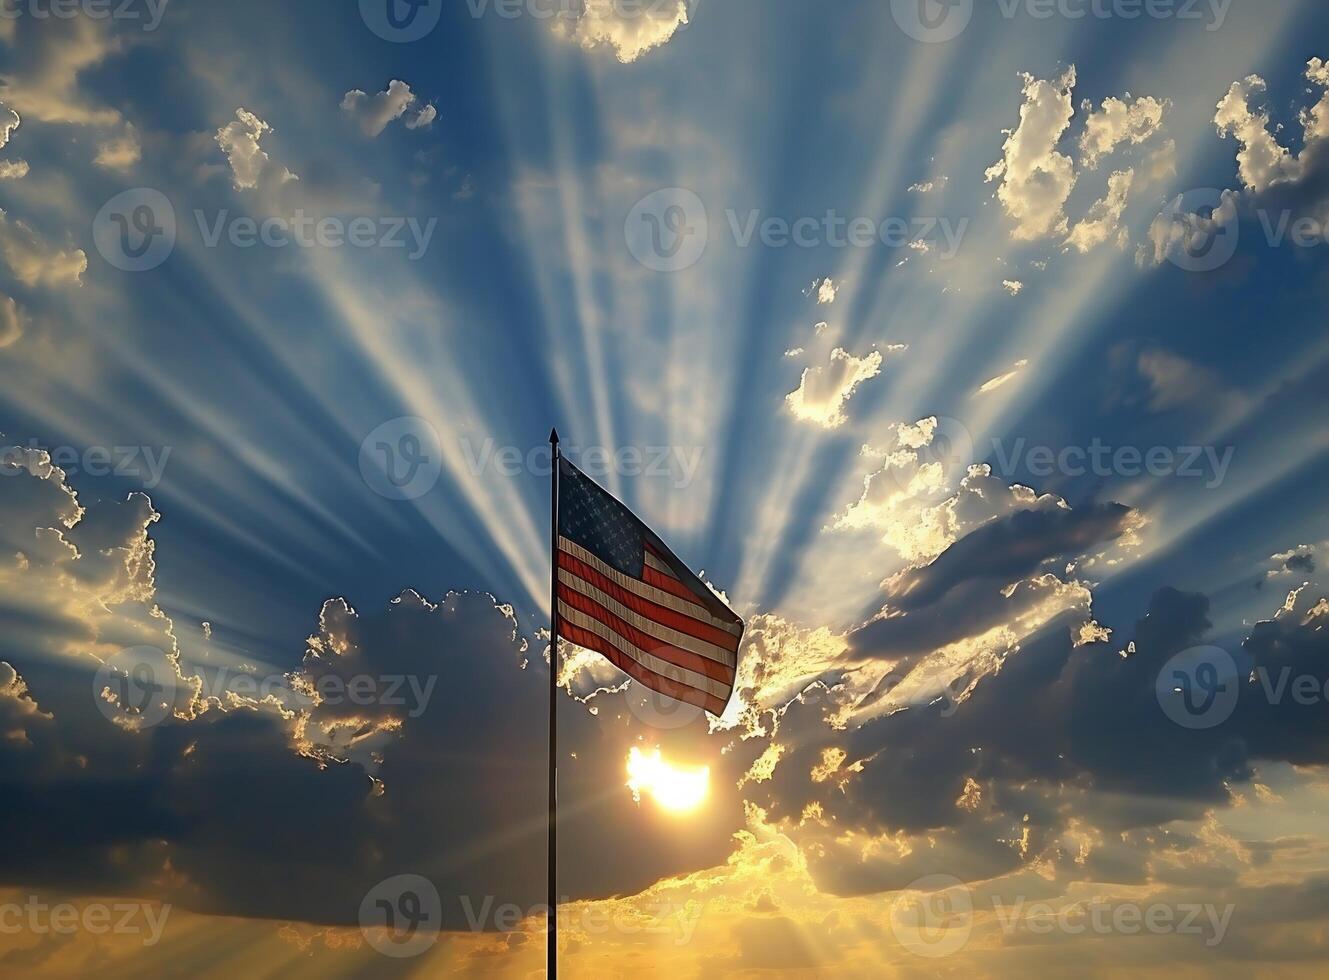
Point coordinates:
[[659, 566], [675, 638], [659, 596], [690, 678]]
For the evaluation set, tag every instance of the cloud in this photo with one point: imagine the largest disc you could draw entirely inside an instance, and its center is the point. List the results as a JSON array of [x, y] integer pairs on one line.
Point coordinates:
[[824, 289], [34, 262], [1119, 122], [13, 169], [44, 64], [1103, 222], [1035, 179], [120, 153], [823, 391], [11, 321], [348, 790], [373, 114], [239, 140], [9, 121], [1175, 233], [1012, 286], [994, 383], [1177, 383], [630, 30], [1261, 161]]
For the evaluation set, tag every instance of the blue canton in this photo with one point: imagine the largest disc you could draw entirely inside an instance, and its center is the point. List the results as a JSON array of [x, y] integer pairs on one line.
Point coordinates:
[[599, 523]]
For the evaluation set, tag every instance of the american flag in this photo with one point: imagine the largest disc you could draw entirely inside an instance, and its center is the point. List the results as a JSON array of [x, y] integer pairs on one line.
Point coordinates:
[[623, 594]]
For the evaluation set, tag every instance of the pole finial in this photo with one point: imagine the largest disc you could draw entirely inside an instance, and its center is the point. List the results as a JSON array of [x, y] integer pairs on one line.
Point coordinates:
[[553, 437]]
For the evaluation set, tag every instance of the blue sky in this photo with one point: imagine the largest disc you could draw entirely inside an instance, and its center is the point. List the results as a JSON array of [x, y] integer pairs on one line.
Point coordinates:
[[796, 269]]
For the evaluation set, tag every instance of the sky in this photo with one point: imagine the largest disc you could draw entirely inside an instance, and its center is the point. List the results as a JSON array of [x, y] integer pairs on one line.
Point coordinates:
[[969, 351]]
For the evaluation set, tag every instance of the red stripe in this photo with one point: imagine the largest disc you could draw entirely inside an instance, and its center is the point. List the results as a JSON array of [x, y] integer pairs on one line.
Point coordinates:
[[669, 688], [661, 581], [651, 610], [679, 658]]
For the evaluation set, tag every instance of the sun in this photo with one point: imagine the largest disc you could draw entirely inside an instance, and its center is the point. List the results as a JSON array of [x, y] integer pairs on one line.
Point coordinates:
[[675, 790]]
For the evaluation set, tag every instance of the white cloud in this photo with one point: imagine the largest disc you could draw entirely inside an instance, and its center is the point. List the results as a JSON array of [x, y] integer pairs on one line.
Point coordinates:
[[422, 119], [1176, 233], [1103, 222], [120, 153], [824, 289], [9, 121], [1013, 286], [13, 169], [1118, 122], [44, 66], [1261, 161], [631, 30], [239, 140], [34, 262], [823, 391], [1035, 179], [994, 383], [373, 113], [11, 321]]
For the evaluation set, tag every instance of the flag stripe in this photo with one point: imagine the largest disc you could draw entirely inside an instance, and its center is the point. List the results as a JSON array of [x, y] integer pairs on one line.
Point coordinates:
[[674, 587], [656, 665], [660, 596], [675, 655], [672, 689], [664, 624], [657, 564]]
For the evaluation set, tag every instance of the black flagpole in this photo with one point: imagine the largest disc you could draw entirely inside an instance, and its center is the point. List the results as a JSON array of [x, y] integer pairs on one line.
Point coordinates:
[[552, 971]]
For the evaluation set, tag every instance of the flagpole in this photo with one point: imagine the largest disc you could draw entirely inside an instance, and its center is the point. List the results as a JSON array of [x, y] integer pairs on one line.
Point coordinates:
[[552, 952]]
